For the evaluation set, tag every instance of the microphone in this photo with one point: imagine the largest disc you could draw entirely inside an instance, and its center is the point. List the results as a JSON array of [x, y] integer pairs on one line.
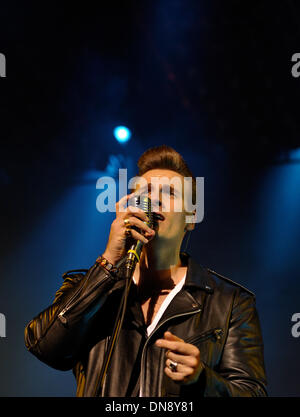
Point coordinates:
[[132, 258], [134, 253]]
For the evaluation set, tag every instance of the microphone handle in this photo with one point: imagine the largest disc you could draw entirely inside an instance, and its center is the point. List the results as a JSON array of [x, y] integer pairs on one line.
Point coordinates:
[[134, 253]]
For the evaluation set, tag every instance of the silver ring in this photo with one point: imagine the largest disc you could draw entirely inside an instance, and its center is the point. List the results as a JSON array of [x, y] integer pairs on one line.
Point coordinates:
[[173, 366]]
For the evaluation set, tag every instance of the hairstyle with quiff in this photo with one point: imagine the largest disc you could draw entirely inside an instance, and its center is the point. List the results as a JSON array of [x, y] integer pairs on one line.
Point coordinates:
[[165, 157]]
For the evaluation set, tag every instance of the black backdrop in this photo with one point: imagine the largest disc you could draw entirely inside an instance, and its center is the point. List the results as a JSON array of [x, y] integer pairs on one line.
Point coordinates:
[[212, 79]]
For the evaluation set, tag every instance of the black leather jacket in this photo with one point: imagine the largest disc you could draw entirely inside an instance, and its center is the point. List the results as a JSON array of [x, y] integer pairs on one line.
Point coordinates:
[[211, 312]]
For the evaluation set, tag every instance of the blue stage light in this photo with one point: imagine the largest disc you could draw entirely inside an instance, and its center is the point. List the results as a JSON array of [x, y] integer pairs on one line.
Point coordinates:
[[122, 134], [295, 154]]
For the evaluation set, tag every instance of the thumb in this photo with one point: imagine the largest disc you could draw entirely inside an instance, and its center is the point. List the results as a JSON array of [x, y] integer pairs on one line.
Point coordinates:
[[172, 337]]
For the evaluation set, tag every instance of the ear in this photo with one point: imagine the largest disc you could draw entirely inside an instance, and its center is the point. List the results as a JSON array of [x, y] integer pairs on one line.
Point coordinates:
[[190, 226]]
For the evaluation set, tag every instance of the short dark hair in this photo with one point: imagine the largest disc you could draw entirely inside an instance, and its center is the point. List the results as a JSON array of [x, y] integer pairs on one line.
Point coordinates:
[[165, 157]]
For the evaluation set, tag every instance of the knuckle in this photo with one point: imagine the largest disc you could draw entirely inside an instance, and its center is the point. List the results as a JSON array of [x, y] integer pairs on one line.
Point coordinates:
[[194, 351], [193, 362], [133, 209]]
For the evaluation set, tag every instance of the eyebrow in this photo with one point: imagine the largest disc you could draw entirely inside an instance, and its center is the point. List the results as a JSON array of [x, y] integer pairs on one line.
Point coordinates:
[[163, 187]]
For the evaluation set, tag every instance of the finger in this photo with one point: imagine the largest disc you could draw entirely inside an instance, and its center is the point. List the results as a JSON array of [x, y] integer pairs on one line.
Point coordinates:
[[140, 225], [138, 236], [137, 212], [187, 360], [171, 336], [176, 376], [178, 347], [181, 368], [137, 194], [121, 205]]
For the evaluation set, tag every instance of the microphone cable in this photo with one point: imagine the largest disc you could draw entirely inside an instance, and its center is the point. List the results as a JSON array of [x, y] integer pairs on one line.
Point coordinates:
[[131, 259]]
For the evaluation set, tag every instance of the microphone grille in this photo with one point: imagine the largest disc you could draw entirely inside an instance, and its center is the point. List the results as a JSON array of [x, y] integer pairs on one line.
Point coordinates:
[[144, 203]]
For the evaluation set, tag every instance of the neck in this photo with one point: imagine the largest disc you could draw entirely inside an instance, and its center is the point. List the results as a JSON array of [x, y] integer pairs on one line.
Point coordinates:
[[159, 268]]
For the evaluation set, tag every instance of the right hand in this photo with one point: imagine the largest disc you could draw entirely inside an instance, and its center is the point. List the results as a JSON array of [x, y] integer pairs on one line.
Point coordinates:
[[116, 246]]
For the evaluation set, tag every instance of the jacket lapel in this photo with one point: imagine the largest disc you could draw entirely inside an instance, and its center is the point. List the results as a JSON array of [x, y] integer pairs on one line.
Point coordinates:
[[188, 301], [192, 296]]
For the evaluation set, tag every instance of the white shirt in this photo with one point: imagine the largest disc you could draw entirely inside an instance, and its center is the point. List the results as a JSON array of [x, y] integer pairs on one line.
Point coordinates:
[[164, 306]]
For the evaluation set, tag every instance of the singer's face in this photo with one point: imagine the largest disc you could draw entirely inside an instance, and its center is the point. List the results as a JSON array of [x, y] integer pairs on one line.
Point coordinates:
[[167, 191]]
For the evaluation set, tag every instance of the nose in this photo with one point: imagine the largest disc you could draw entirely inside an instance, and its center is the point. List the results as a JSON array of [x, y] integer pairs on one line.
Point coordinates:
[[156, 203]]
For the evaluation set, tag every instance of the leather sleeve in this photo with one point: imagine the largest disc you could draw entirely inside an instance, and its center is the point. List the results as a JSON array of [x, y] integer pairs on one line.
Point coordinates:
[[57, 335], [241, 372]]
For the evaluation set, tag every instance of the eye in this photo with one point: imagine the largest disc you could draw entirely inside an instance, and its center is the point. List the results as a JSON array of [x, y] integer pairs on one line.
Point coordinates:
[[167, 190]]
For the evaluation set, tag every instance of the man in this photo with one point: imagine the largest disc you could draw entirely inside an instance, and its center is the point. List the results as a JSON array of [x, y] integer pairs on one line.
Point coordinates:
[[187, 331]]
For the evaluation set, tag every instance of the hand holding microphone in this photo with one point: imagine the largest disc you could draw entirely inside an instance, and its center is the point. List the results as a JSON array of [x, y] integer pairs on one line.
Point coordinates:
[[121, 229], [132, 222]]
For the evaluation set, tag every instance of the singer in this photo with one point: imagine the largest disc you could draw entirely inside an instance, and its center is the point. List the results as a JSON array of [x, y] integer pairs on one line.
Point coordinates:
[[186, 331]]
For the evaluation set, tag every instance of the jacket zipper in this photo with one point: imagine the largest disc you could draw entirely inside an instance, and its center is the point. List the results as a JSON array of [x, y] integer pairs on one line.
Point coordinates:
[[216, 333], [69, 305], [154, 331]]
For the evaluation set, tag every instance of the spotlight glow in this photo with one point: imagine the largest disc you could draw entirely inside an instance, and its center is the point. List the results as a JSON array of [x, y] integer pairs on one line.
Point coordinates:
[[295, 154], [122, 134]]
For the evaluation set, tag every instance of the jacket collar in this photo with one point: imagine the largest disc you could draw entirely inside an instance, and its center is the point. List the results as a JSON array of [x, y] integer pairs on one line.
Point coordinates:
[[189, 300], [197, 276]]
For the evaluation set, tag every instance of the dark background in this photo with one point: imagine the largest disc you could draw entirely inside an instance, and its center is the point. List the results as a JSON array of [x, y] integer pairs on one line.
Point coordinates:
[[212, 79]]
